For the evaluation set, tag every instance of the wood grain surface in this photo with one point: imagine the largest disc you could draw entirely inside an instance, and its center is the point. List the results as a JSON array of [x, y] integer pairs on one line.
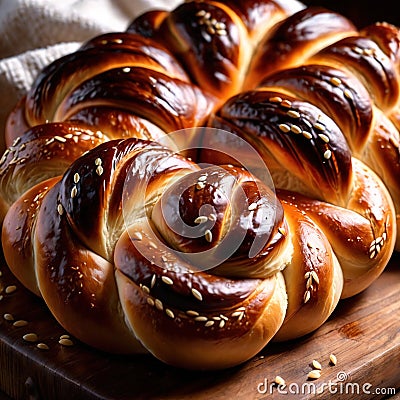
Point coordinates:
[[363, 333]]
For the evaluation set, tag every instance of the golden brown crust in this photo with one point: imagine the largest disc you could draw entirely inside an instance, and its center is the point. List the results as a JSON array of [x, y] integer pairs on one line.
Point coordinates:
[[110, 227]]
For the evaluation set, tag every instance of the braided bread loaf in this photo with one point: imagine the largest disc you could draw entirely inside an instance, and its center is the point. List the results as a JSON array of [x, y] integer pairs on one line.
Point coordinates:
[[197, 261]]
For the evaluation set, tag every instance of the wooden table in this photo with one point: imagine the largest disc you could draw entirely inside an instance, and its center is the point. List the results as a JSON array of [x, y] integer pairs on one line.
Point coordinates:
[[363, 332]]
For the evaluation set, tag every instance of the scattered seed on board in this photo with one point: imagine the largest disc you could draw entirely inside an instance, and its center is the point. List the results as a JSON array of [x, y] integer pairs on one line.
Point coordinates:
[[314, 374], [279, 381], [332, 359], [30, 337], [316, 365]]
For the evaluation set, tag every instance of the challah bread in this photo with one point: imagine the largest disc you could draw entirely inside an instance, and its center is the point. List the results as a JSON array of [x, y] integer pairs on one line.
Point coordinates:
[[90, 270], [110, 225]]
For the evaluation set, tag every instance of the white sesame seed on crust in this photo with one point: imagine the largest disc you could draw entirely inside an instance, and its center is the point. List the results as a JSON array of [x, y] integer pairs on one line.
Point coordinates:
[[275, 99], [295, 129], [208, 236], [293, 114], [197, 294], [284, 128], [201, 219], [167, 280]]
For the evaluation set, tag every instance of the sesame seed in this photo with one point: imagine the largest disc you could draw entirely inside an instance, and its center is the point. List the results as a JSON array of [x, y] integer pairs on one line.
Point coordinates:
[[347, 93], [169, 313], [200, 185], [197, 294], [60, 209], [97, 161], [167, 280], [150, 301], [307, 296], [76, 178], [192, 313], [201, 13], [202, 178], [284, 128], [153, 280], [153, 245], [20, 323], [201, 319], [316, 365], [237, 314], [286, 104], [314, 374], [327, 154], [372, 255], [324, 138], [42, 346], [60, 139], [99, 170], [159, 304], [145, 289], [211, 30], [212, 217], [221, 323], [222, 32], [8, 317], [275, 99], [1, 297], [208, 236], [126, 69], [279, 380], [209, 323], [357, 50], [293, 114], [252, 206], [138, 235], [335, 81], [10, 289], [74, 192], [30, 337], [319, 126], [307, 135], [201, 219], [314, 276], [295, 129], [309, 283], [332, 359], [220, 25], [66, 342]]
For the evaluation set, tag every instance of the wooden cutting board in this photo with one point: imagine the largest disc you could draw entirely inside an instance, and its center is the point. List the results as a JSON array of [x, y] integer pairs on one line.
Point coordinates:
[[363, 333]]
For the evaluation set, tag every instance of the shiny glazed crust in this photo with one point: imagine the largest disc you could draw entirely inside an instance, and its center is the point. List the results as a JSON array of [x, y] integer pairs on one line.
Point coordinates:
[[172, 245]]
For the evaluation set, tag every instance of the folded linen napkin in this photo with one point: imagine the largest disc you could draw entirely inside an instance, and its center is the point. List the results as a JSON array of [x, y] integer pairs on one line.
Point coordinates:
[[35, 32]]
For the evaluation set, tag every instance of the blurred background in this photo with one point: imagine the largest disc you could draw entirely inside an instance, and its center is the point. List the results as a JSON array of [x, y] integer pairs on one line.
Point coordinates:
[[363, 12]]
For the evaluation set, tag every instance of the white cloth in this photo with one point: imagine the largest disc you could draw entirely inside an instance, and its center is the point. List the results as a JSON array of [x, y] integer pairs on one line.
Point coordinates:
[[35, 32]]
